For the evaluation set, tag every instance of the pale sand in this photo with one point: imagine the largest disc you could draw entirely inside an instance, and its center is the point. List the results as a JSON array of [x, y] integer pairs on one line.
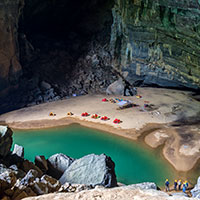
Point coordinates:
[[130, 192], [133, 119], [182, 154]]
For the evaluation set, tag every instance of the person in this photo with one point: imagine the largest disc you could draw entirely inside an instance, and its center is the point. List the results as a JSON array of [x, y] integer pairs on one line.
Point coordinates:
[[186, 184], [184, 187], [179, 184], [175, 185], [167, 185], [131, 90]]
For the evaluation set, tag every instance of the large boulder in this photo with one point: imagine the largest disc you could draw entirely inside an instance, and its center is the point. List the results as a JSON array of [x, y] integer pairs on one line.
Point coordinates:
[[116, 88], [57, 164], [196, 190], [45, 86], [5, 140], [91, 170]]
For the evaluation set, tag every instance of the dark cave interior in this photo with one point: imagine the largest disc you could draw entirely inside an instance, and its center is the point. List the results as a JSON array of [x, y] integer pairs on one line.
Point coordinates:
[[56, 28], [55, 38]]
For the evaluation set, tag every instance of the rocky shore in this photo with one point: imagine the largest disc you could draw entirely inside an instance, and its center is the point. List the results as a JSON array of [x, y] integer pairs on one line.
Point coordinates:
[[65, 177], [21, 178]]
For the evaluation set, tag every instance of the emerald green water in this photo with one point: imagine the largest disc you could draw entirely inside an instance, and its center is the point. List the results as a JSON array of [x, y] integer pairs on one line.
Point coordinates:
[[133, 163]]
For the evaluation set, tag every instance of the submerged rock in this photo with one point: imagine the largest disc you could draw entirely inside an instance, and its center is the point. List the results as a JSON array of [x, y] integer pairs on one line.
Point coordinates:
[[57, 164], [196, 190], [91, 170], [5, 140]]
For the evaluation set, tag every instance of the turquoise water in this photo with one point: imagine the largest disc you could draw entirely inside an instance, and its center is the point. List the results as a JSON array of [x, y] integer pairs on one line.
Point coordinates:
[[133, 163]]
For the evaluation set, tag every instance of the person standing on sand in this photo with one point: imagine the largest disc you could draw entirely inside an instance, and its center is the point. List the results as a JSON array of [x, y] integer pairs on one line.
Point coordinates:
[[167, 185], [186, 184], [184, 187], [175, 185], [179, 184]]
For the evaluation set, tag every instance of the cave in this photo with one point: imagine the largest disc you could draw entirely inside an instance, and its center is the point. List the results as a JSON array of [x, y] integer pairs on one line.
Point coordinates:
[[59, 48], [65, 44], [54, 35]]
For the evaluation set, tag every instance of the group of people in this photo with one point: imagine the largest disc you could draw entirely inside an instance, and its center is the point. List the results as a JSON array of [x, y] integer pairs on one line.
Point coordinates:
[[177, 185]]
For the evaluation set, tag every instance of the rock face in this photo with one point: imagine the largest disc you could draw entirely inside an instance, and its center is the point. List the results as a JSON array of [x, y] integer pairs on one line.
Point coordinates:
[[5, 140], [196, 190], [91, 170], [10, 68], [156, 41], [57, 164]]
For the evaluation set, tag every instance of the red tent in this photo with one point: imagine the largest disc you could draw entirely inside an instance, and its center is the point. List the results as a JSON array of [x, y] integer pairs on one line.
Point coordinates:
[[95, 116], [104, 100], [85, 114], [104, 118], [117, 121]]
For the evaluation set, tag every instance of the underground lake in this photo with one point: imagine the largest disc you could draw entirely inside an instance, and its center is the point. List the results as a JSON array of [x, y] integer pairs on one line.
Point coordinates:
[[133, 162]]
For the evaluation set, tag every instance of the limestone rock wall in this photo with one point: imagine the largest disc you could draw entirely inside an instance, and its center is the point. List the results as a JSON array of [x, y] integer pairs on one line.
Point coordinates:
[[10, 68], [157, 41]]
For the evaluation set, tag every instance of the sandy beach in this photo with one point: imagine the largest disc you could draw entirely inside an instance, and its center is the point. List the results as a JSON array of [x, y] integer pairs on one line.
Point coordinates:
[[160, 120]]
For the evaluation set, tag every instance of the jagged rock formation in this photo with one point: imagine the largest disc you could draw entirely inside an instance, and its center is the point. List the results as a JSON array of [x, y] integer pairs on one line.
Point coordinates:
[[57, 164], [91, 170]]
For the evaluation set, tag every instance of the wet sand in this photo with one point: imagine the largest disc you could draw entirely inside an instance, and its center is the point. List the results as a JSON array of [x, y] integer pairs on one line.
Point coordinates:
[[180, 147]]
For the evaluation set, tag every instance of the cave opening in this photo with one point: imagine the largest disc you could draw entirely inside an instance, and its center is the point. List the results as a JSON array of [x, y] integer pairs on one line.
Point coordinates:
[[65, 43]]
